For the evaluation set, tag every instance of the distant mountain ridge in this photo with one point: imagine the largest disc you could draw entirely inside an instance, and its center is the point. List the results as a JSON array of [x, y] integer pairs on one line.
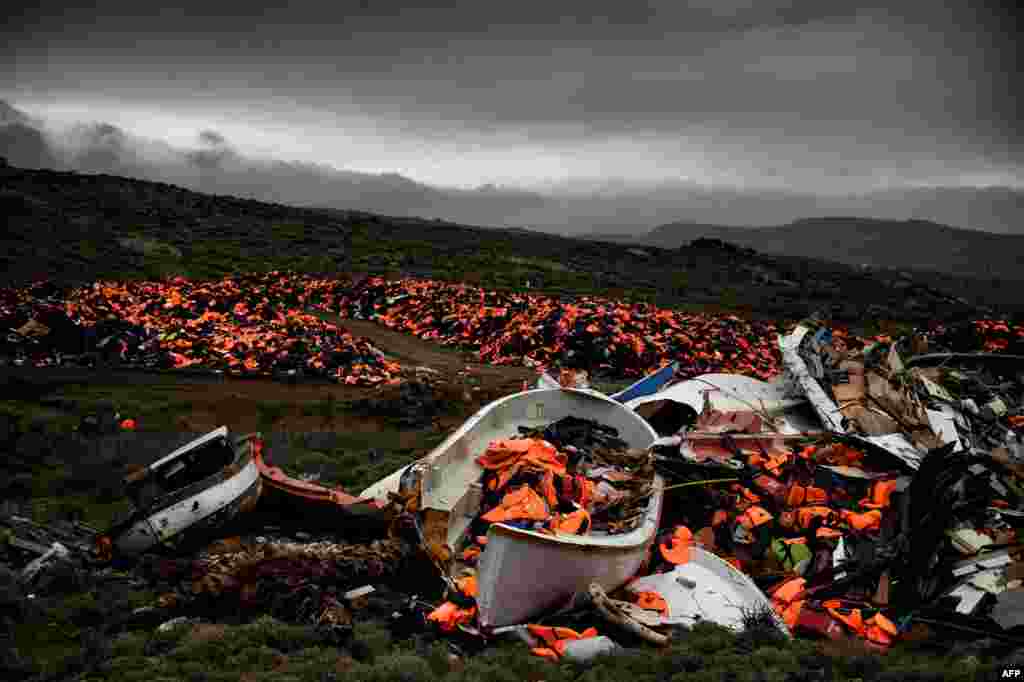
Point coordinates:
[[897, 244]]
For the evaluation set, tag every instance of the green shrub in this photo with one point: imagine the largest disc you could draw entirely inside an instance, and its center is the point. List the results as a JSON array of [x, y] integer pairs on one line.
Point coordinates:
[[376, 637], [270, 412], [253, 658], [129, 644]]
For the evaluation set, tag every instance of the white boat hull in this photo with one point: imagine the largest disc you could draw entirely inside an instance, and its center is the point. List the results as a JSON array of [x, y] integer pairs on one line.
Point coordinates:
[[725, 393], [234, 489], [521, 572], [707, 589], [167, 525]]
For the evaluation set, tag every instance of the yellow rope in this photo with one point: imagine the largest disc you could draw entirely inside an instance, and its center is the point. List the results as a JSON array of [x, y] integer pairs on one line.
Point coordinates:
[[689, 483]]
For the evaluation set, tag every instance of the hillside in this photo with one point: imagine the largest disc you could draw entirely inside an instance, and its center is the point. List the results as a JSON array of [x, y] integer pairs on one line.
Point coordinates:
[[900, 245], [76, 228]]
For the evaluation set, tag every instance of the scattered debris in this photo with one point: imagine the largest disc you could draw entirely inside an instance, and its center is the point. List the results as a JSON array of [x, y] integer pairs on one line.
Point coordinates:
[[586, 650], [180, 621], [870, 489], [46, 565]]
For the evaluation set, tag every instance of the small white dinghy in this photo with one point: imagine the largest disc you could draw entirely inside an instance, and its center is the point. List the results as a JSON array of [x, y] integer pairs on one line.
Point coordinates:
[[522, 573]]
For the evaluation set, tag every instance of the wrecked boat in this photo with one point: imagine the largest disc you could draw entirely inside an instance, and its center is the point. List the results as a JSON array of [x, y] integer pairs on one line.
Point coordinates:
[[523, 572], [316, 504], [677, 405], [706, 589], [725, 393], [188, 494]]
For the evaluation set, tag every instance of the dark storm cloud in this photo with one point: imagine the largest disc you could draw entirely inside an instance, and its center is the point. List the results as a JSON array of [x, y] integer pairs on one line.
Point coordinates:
[[807, 96], [9, 114], [531, 61], [801, 68]]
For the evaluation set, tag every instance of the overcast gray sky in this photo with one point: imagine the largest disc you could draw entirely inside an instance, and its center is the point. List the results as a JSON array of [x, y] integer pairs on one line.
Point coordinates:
[[820, 96]]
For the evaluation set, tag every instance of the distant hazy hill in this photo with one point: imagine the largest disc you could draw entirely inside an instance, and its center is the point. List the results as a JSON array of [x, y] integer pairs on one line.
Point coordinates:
[[575, 208], [910, 244]]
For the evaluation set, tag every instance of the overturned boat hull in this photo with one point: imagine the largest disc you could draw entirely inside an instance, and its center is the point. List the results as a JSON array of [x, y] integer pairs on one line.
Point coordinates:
[[723, 392], [671, 408], [523, 572], [708, 589], [194, 511]]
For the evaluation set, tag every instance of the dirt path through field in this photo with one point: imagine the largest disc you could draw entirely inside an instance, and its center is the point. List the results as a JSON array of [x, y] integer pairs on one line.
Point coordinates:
[[412, 352]]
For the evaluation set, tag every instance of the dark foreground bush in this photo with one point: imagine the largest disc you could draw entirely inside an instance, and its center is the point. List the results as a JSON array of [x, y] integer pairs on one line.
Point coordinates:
[[270, 650]]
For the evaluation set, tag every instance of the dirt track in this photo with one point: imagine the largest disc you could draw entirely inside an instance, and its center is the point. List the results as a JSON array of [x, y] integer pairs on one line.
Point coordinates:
[[414, 352]]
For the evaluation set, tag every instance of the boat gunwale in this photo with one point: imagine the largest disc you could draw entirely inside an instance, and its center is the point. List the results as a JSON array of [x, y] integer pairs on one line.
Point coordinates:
[[442, 448], [473, 420], [276, 479]]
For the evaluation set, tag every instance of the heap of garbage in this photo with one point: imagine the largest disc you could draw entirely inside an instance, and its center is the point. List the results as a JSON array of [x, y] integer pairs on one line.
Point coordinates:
[[594, 333], [880, 498], [250, 324], [909, 396], [903, 511], [260, 324]]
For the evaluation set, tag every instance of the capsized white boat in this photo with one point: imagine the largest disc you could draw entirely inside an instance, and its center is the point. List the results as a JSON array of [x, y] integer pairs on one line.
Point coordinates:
[[190, 492], [779, 402], [707, 589], [522, 573], [725, 393]]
